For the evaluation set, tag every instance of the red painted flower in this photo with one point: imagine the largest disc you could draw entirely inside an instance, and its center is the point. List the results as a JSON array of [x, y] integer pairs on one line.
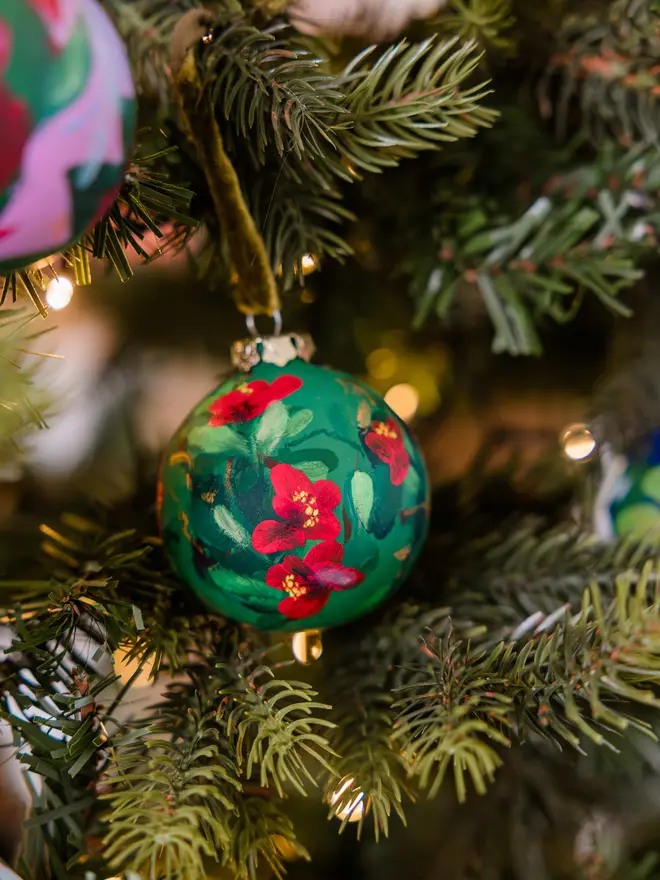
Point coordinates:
[[385, 439], [310, 581], [305, 509], [251, 399]]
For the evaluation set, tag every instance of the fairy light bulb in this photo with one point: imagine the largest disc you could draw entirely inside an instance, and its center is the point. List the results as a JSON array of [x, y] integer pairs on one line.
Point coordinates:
[[59, 293], [577, 442], [307, 646], [353, 810], [404, 400], [309, 264]]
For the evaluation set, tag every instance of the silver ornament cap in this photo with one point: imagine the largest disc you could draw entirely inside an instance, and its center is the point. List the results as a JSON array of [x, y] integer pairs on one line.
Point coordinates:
[[278, 349]]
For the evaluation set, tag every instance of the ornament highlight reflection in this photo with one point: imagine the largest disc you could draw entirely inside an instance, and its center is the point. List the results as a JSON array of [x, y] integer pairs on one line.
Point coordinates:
[[59, 293], [307, 646], [353, 810], [577, 442], [404, 400]]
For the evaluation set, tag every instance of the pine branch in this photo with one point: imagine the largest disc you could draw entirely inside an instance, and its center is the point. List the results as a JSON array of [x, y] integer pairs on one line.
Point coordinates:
[[484, 21], [372, 773], [256, 832], [148, 206], [608, 62], [58, 735], [274, 725], [118, 585], [171, 799], [579, 678], [587, 234], [304, 128], [510, 582], [21, 402]]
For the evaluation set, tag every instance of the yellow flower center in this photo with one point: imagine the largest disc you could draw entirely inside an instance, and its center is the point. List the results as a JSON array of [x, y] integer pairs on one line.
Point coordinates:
[[385, 431], [308, 503], [293, 587], [245, 389]]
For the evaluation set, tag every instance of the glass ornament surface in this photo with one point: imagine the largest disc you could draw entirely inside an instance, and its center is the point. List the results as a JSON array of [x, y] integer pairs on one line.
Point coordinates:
[[293, 498]]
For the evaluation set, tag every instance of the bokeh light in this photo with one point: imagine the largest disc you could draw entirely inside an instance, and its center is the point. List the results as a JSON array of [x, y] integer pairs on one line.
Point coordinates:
[[382, 363], [307, 646], [309, 264], [404, 400], [126, 669], [59, 293], [578, 442], [353, 810]]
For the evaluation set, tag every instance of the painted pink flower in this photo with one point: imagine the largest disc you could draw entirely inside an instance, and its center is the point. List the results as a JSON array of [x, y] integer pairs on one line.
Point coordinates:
[[385, 439], [308, 582], [251, 399], [305, 509]]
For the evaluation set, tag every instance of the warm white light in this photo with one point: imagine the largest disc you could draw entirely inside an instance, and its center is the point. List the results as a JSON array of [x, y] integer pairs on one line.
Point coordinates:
[[59, 293], [309, 264], [577, 442], [126, 669], [404, 400], [354, 809], [307, 646]]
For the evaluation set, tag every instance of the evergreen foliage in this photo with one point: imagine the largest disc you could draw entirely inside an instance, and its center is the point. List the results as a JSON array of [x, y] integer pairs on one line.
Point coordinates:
[[530, 636]]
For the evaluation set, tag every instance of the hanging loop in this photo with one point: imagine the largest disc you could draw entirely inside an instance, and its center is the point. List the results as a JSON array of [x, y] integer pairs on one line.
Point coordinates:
[[277, 322]]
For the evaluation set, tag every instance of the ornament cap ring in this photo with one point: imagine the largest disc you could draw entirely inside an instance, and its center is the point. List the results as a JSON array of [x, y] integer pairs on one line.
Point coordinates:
[[277, 322]]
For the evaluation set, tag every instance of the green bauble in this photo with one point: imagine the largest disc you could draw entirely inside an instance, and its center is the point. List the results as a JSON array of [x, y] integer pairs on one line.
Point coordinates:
[[293, 497], [628, 503]]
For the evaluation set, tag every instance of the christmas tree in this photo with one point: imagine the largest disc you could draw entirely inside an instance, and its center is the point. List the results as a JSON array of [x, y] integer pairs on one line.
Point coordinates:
[[249, 646]]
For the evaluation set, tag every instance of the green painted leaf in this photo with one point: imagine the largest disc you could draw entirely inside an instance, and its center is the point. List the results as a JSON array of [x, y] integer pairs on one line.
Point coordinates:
[[651, 483], [299, 422], [637, 520], [362, 490], [315, 470], [218, 440], [272, 426], [231, 527], [364, 414]]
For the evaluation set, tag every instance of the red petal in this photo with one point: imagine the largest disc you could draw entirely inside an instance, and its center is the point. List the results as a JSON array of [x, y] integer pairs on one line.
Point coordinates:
[[287, 509], [335, 577], [226, 402], [392, 426], [328, 551], [380, 446], [283, 386], [327, 494], [276, 574], [271, 536], [399, 465], [287, 480], [326, 529], [303, 606], [257, 387]]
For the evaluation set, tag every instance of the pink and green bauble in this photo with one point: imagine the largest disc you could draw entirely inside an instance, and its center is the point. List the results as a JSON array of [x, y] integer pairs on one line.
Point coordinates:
[[628, 500], [292, 497], [67, 121]]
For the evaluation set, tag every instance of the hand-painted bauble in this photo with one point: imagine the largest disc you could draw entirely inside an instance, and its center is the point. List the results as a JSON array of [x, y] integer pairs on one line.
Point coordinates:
[[628, 501], [292, 497], [67, 120]]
